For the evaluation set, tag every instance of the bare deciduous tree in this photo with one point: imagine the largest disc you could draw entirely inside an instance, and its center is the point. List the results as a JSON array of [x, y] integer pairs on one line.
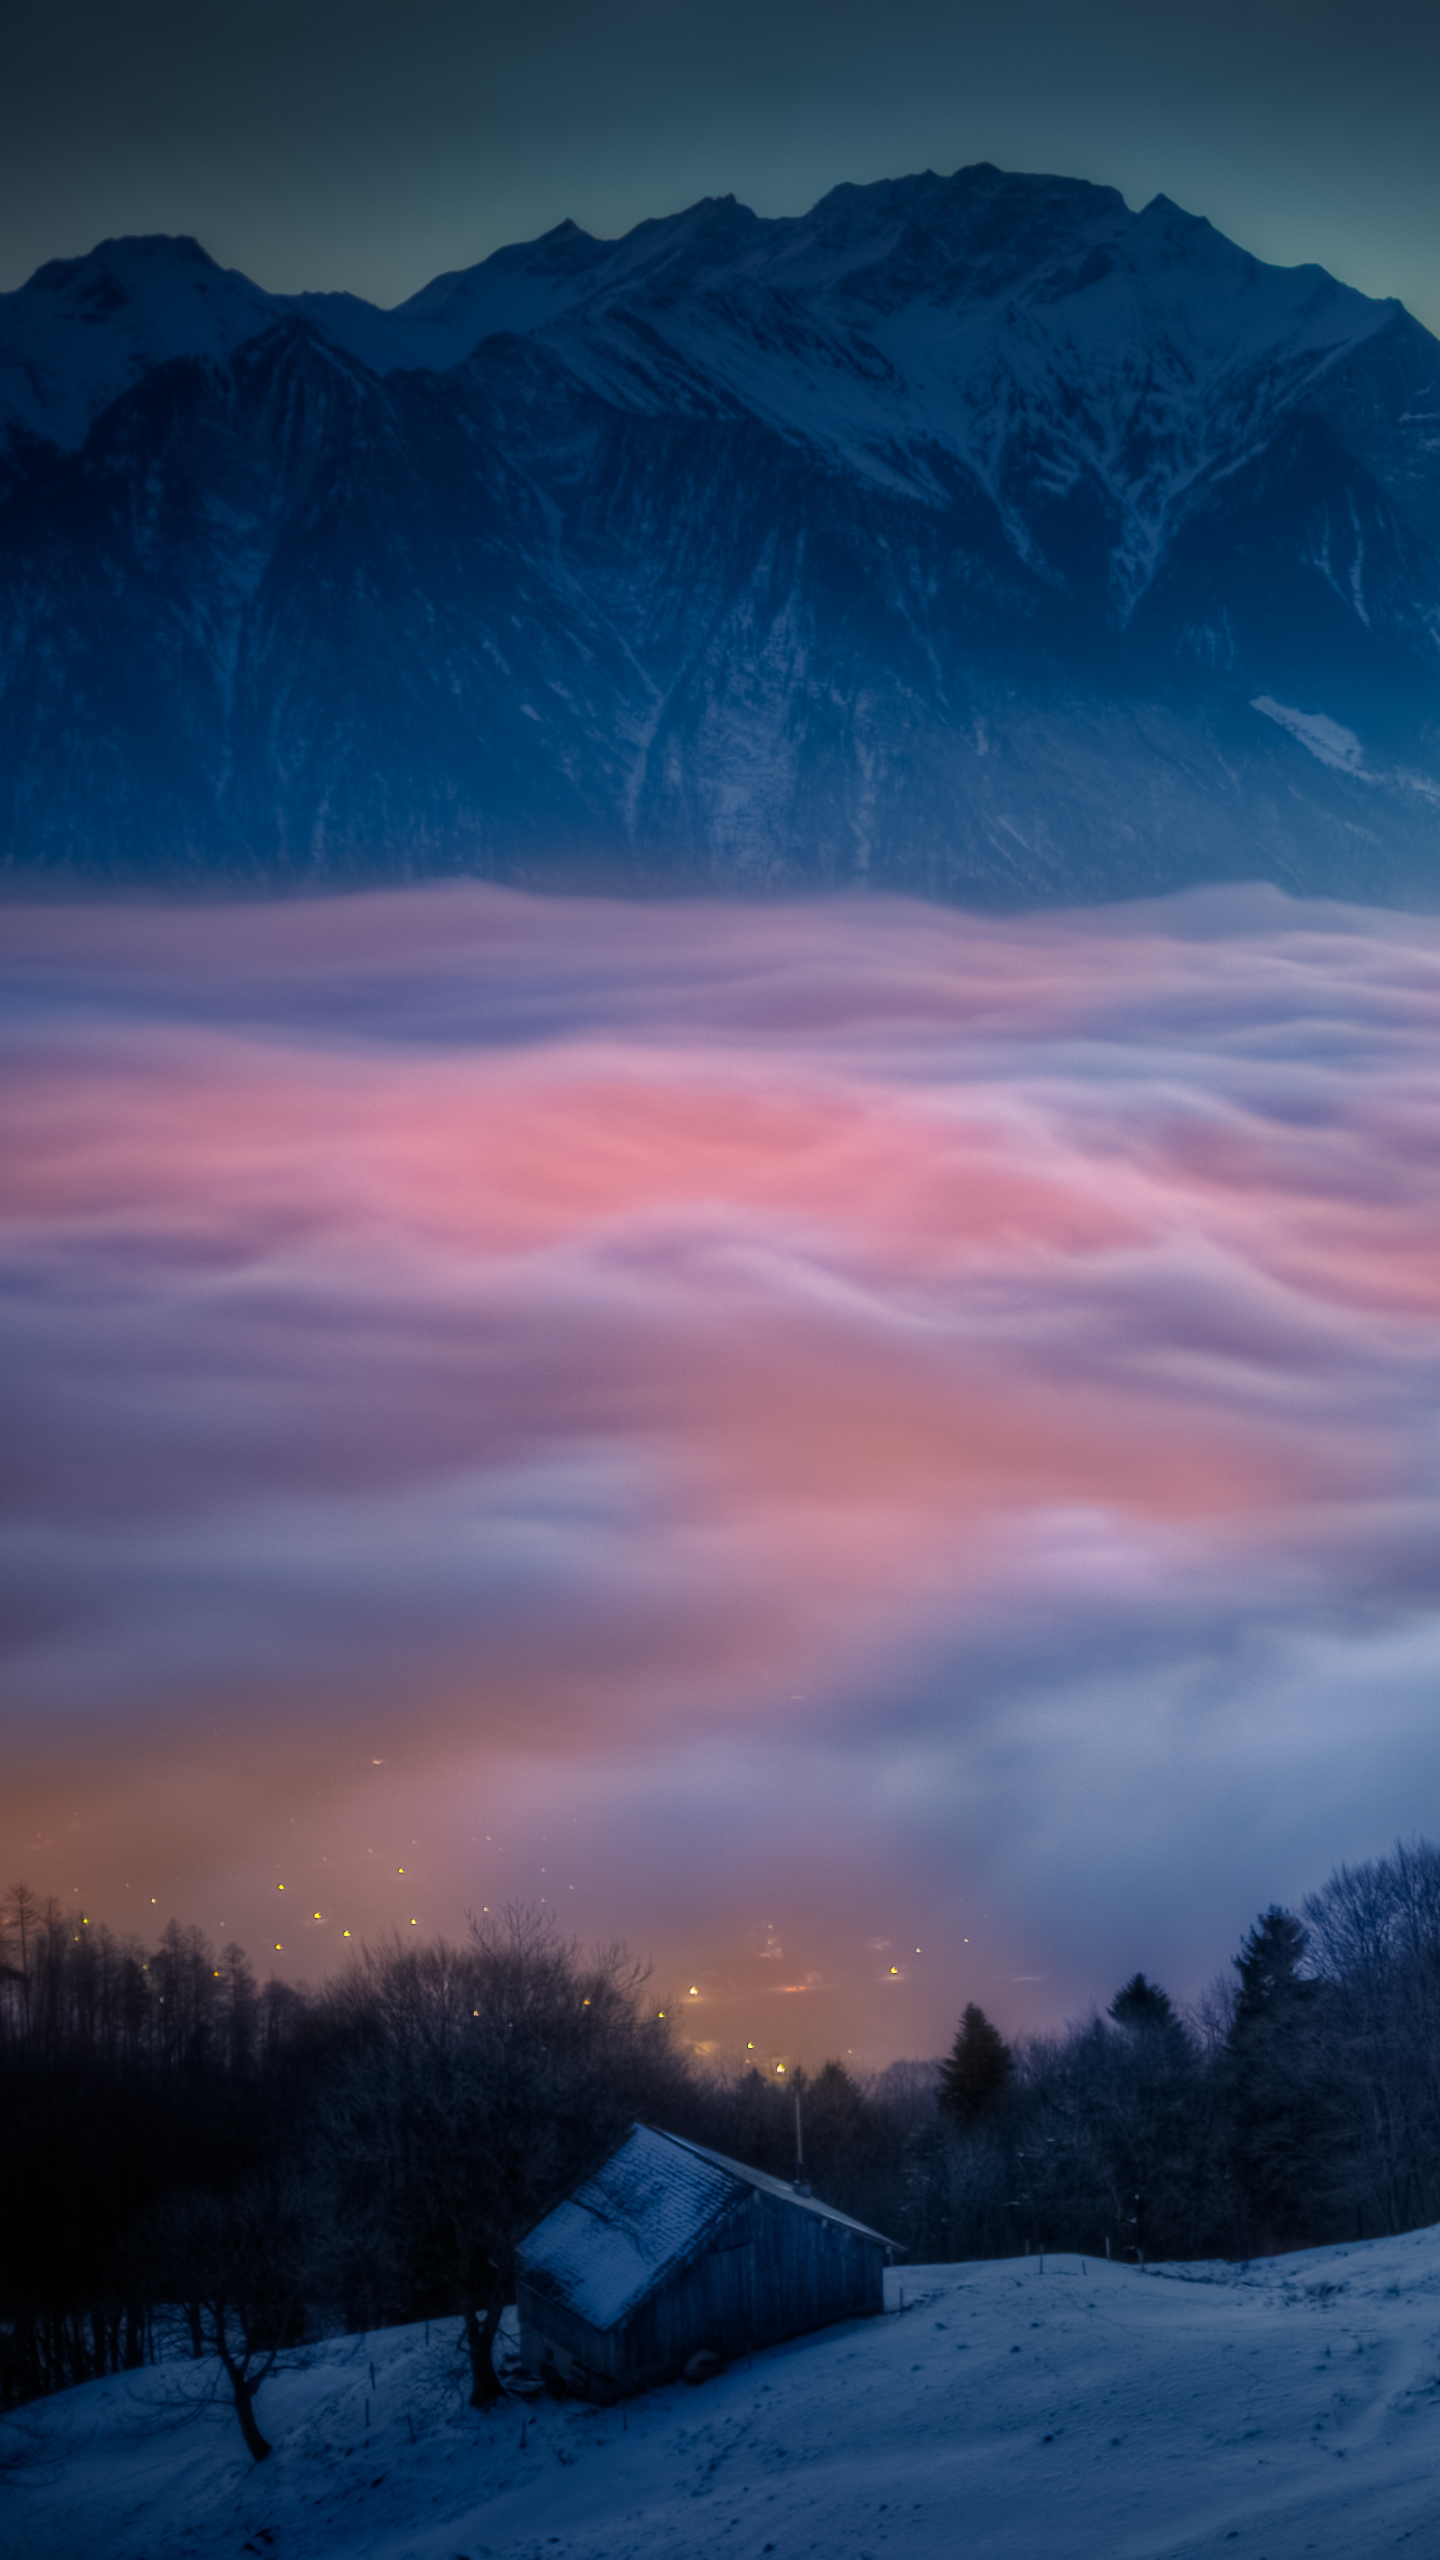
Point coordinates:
[[241, 2268], [476, 2083]]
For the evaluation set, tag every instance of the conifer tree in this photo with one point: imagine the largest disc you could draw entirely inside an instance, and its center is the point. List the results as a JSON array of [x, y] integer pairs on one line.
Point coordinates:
[[977, 2071], [1272, 1987], [1143, 2007], [1280, 2136]]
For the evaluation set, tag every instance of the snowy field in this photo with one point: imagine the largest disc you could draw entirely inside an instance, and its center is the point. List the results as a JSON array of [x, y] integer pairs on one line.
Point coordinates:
[[1290, 2407]]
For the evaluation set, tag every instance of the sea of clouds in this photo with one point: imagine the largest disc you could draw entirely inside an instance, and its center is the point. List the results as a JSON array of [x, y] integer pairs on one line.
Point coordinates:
[[801, 1434]]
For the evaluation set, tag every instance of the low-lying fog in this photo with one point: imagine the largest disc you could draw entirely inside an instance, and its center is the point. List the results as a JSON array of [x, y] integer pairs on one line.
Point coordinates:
[[888, 1458]]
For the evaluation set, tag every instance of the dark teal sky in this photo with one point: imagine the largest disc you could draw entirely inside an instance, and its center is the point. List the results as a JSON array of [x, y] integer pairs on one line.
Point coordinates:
[[368, 144]]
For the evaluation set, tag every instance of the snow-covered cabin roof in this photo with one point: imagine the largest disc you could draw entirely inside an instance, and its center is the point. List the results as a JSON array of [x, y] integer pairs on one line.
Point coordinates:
[[648, 2210]]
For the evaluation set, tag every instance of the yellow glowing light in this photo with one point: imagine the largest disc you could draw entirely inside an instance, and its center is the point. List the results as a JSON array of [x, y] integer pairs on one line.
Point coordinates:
[[278, 1948], [780, 2067], [694, 1990], [317, 1915], [894, 1968], [659, 2013], [344, 1933], [749, 2048]]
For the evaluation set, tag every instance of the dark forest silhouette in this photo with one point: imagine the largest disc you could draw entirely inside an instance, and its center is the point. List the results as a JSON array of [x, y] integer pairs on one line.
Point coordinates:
[[196, 2165]]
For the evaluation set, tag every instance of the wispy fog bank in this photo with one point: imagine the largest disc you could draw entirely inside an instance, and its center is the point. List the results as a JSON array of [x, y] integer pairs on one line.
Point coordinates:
[[797, 1434]]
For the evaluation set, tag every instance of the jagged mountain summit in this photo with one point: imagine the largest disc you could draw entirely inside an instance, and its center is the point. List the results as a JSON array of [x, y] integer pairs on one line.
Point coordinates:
[[970, 535]]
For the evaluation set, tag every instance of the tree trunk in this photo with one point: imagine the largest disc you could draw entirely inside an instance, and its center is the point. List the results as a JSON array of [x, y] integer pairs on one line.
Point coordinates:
[[243, 2389], [485, 2387], [255, 2443]]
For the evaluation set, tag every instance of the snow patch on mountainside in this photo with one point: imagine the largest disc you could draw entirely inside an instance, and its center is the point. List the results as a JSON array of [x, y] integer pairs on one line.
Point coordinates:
[[1326, 739]]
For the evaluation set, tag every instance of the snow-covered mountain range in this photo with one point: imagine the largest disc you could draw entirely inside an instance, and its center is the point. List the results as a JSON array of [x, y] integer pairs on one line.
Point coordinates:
[[972, 534]]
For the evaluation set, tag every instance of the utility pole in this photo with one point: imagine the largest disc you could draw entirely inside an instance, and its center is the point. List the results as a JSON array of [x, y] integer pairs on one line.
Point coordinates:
[[802, 2183]]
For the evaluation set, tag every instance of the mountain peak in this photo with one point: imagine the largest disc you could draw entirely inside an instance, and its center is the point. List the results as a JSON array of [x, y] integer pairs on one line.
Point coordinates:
[[124, 250], [83, 329]]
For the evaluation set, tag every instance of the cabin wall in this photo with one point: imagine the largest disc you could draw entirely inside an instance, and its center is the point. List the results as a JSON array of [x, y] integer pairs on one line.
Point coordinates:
[[707, 2304], [577, 2348], [773, 2273], [809, 2271]]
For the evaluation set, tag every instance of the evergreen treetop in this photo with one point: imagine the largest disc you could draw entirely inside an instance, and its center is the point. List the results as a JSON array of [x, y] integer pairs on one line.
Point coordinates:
[[977, 2070]]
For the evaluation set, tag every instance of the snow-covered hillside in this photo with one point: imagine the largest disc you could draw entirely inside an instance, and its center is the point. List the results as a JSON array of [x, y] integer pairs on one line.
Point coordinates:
[[1291, 2407], [974, 533]]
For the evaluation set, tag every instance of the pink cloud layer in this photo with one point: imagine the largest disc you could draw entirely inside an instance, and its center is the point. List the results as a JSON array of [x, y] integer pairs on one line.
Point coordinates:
[[587, 1336]]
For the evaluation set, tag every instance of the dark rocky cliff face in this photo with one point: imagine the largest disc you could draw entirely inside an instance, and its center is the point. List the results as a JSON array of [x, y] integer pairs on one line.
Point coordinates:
[[973, 536]]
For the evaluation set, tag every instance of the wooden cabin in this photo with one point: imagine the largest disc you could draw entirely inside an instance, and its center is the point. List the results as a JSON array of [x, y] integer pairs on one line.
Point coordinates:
[[670, 2250]]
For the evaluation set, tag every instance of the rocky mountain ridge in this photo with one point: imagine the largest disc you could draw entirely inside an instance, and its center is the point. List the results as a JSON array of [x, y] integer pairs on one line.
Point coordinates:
[[975, 535]]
